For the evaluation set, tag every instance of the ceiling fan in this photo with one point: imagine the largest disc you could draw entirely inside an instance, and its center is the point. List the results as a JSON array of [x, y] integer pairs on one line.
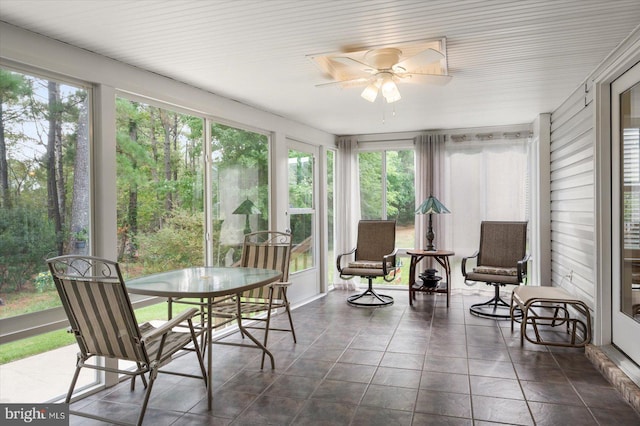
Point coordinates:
[[380, 69]]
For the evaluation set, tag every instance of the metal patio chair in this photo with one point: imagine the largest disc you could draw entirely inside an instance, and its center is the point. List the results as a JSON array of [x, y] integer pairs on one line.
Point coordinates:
[[263, 250], [101, 317], [500, 260], [374, 256]]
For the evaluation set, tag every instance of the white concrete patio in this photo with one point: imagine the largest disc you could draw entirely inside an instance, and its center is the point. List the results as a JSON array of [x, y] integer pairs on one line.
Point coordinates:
[[41, 378]]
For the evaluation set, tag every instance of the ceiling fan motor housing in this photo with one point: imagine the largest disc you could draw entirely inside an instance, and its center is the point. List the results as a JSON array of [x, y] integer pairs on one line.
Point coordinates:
[[383, 59]]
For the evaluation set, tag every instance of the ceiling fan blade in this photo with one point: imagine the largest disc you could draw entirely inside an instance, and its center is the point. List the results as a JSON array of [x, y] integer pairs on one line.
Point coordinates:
[[416, 77], [354, 63], [418, 60], [352, 82]]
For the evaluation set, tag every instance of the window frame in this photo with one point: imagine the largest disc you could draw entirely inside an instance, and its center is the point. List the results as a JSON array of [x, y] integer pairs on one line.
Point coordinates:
[[35, 323], [400, 144]]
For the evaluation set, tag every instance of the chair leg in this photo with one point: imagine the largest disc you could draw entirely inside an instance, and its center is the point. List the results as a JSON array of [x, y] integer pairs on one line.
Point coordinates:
[[133, 378], [288, 309], [266, 326], [375, 299], [495, 308], [153, 373], [76, 374]]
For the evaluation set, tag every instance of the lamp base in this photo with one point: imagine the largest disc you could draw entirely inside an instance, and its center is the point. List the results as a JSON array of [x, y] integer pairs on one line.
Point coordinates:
[[430, 235]]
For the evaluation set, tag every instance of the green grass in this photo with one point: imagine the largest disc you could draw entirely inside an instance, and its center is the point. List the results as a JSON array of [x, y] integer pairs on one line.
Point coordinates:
[[45, 342], [19, 349], [25, 302]]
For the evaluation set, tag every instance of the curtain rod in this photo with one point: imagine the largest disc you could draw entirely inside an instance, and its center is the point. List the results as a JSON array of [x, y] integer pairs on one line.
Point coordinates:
[[490, 136]]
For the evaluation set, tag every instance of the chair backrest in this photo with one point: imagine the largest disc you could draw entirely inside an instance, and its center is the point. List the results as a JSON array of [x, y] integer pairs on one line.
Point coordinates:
[[376, 238], [98, 307], [266, 250], [502, 244]]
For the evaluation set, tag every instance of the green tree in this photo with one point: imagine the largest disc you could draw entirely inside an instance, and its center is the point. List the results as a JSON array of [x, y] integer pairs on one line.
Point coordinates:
[[40, 132], [159, 157], [400, 186], [370, 169], [27, 239], [400, 197], [13, 87], [134, 162]]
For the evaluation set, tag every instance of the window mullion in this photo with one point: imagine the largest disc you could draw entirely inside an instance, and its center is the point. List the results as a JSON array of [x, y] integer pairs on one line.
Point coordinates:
[[383, 210]]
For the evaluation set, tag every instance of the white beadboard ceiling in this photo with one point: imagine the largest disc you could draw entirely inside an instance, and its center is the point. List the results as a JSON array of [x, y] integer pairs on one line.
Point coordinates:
[[510, 60]]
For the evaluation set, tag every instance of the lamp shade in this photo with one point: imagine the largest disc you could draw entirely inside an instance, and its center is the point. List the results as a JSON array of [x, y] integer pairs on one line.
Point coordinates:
[[247, 207], [432, 206], [370, 92], [390, 90]]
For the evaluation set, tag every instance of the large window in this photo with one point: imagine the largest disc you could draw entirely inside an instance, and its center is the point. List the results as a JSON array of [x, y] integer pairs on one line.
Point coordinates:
[[484, 180], [44, 185], [44, 211], [240, 195], [630, 194], [160, 188], [161, 181], [331, 211], [387, 190], [631, 185], [302, 209]]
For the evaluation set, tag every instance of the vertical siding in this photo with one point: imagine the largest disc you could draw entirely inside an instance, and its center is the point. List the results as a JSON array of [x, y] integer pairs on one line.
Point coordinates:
[[572, 196]]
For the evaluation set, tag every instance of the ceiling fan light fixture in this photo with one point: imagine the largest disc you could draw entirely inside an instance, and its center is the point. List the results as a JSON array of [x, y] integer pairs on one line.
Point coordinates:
[[370, 93], [390, 90], [380, 69]]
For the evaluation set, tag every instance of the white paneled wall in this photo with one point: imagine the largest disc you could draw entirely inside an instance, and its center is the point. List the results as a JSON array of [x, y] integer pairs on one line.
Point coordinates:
[[580, 178], [572, 196]]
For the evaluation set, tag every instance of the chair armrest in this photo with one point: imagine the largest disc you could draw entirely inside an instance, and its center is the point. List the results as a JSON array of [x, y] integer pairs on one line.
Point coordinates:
[[281, 284], [169, 325], [338, 260], [522, 268], [464, 263], [389, 258]]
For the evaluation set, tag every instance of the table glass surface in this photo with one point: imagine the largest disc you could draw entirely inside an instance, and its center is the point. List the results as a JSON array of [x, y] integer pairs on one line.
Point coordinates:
[[201, 281]]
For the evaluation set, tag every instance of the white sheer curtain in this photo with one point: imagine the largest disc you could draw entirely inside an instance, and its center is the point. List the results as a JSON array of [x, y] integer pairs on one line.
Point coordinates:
[[484, 180], [348, 203], [429, 180]]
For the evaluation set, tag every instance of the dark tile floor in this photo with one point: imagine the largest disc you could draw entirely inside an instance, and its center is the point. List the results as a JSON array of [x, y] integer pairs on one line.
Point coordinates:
[[398, 365]]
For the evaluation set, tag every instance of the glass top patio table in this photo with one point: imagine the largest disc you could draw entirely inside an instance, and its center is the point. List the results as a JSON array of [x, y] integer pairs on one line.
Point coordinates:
[[202, 282], [206, 283]]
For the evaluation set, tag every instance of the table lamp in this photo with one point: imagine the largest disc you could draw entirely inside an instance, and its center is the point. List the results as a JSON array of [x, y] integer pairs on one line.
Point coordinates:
[[246, 208], [431, 206]]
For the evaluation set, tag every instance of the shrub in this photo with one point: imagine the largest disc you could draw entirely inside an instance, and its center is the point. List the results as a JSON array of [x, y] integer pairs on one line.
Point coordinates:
[[44, 282], [178, 244], [27, 238]]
